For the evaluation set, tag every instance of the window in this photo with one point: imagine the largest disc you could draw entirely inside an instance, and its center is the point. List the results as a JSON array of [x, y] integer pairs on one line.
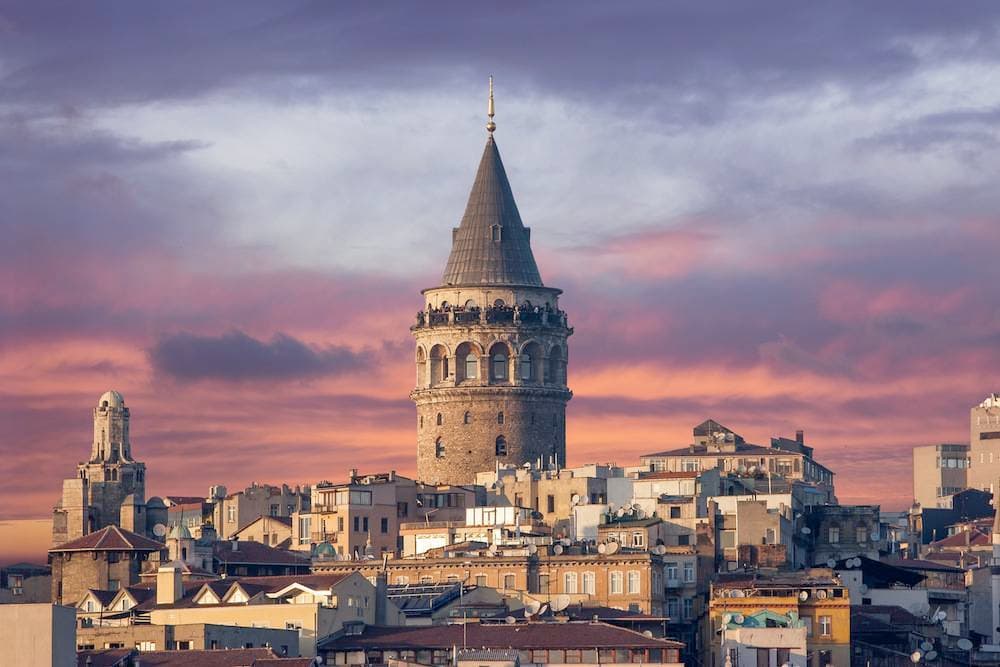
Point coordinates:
[[825, 626], [467, 419], [861, 533], [113, 584], [275, 509], [357, 524], [340, 524], [808, 622], [499, 363], [440, 419], [551, 503], [834, 534], [525, 366], [689, 572], [384, 525], [500, 418], [501, 446], [90, 605], [508, 581], [569, 583], [675, 512], [231, 514], [589, 583], [481, 580], [687, 608], [439, 448], [633, 582], [364, 524], [402, 581], [471, 366], [672, 608], [495, 233], [683, 540], [638, 539], [615, 583], [671, 572]]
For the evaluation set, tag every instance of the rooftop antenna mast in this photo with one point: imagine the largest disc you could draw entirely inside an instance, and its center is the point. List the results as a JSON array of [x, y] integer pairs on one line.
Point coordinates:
[[491, 126]]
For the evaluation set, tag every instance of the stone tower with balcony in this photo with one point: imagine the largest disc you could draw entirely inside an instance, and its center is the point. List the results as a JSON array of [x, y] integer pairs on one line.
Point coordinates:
[[491, 345], [110, 487]]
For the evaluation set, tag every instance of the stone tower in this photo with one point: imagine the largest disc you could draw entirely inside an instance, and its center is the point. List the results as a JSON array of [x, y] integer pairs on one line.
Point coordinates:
[[110, 487], [491, 345]]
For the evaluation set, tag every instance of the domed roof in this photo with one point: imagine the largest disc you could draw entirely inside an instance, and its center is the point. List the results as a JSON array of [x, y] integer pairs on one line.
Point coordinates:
[[111, 399], [325, 550]]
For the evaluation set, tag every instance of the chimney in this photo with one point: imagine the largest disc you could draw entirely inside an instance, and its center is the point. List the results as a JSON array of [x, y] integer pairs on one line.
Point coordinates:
[[381, 598], [169, 587], [800, 436], [236, 544], [354, 473]]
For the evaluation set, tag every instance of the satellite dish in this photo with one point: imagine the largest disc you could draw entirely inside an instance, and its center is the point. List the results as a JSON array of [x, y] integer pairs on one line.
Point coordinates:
[[640, 514], [532, 549], [915, 657], [659, 550], [647, 634], [794, 615], [532, 608], [941, 615], [964, 644], [498, 485], [738, 618], [612, 548], [602, 548], [575, 499], [159, 530], [510, 620], [863, 588], [926, 645], [737, 593], [544, 609], [726, 618], [557, 549], [931, 655], [560, 602], [821, 594], [636, 507], [806, 530], [831, 563], [492, 549], [565, 541], [803, 595], [620, 512]]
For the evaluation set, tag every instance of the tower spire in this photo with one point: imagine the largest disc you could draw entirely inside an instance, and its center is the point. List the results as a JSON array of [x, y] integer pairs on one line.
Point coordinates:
[[490, 126]]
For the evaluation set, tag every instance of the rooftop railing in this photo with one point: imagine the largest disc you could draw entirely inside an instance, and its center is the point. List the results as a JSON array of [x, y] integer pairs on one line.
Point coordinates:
[[528, 315]]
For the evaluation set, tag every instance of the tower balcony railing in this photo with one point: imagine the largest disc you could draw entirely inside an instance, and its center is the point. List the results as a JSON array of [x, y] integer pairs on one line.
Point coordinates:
[[528, 315]]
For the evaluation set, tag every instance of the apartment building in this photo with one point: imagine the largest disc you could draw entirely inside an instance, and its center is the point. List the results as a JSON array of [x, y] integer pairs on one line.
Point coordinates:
[[939, 472]]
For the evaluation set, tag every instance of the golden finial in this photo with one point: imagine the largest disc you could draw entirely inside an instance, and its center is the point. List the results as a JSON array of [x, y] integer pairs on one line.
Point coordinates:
[[490, 126]]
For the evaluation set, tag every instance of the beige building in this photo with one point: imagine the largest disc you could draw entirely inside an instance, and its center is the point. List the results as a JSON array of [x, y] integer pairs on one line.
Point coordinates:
[[193, 637], [110, 487], [37, 634], [363, 515], [939, 471], [490, 346], [485, 526], [984, 445], [234, 511]]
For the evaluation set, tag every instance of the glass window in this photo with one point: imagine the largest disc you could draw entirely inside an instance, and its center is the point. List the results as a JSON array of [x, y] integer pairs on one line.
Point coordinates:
[[508, 581], [861, 533], [439, 448], [825, 626], [499, 366], [616, 583], [501, 446], [633, 582], [467, 418], [687, 607], [500, 418], [834, 534], [569, 583], [688, 572], [471, 366], [525, 366], [589, 583]]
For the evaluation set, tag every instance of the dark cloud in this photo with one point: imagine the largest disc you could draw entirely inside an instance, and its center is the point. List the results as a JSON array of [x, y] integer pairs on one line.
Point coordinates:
[[235, 356]]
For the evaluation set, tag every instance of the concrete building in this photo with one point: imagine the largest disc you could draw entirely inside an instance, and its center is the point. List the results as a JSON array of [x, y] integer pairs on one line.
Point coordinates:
[[984, 444], [363, 515], [236, 510], [106, 560], [814, 600], [939, 471], [24, 583], [37, 634], [715, 446], [844, 531], [484, 526], [490, 346], [110, 487], [190, 637]]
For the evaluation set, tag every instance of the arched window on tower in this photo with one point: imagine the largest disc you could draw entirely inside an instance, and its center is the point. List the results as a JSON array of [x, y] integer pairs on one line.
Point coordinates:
[[501, 446], [467, 419], [500, 418], [439, 365], [440, 419], [525, 362], [495, 232], [499, 356], [439, 448], [467, 362]]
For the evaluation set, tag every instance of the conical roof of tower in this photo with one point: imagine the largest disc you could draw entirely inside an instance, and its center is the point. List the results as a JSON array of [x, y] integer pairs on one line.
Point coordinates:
[[491, 245]]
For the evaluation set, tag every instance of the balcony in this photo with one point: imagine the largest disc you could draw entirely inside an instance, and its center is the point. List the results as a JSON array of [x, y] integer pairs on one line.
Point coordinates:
[[501, 315]]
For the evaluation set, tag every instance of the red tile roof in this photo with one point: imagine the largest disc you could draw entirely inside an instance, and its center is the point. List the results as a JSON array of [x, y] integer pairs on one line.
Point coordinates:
[[284, 662], [978, 538], [109, 657], [704, 450], [240, 657], [255, 553], [110, 538], [571, 634]]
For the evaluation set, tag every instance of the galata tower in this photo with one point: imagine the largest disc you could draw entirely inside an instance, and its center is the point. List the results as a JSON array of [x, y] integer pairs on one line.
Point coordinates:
[[491, 344]]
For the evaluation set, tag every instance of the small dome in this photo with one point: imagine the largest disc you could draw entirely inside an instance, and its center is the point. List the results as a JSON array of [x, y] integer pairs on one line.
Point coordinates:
[[155, 502], [325, 550], [111, 399]]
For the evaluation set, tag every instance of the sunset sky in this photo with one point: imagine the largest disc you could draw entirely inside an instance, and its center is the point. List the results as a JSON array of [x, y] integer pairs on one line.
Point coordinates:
[[778, 215]]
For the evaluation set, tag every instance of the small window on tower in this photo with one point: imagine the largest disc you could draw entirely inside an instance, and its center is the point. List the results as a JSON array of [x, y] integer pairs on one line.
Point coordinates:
[[501, 446], [468, 418], [500, 418], [439, 448], [440, 419], [496, 232]]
